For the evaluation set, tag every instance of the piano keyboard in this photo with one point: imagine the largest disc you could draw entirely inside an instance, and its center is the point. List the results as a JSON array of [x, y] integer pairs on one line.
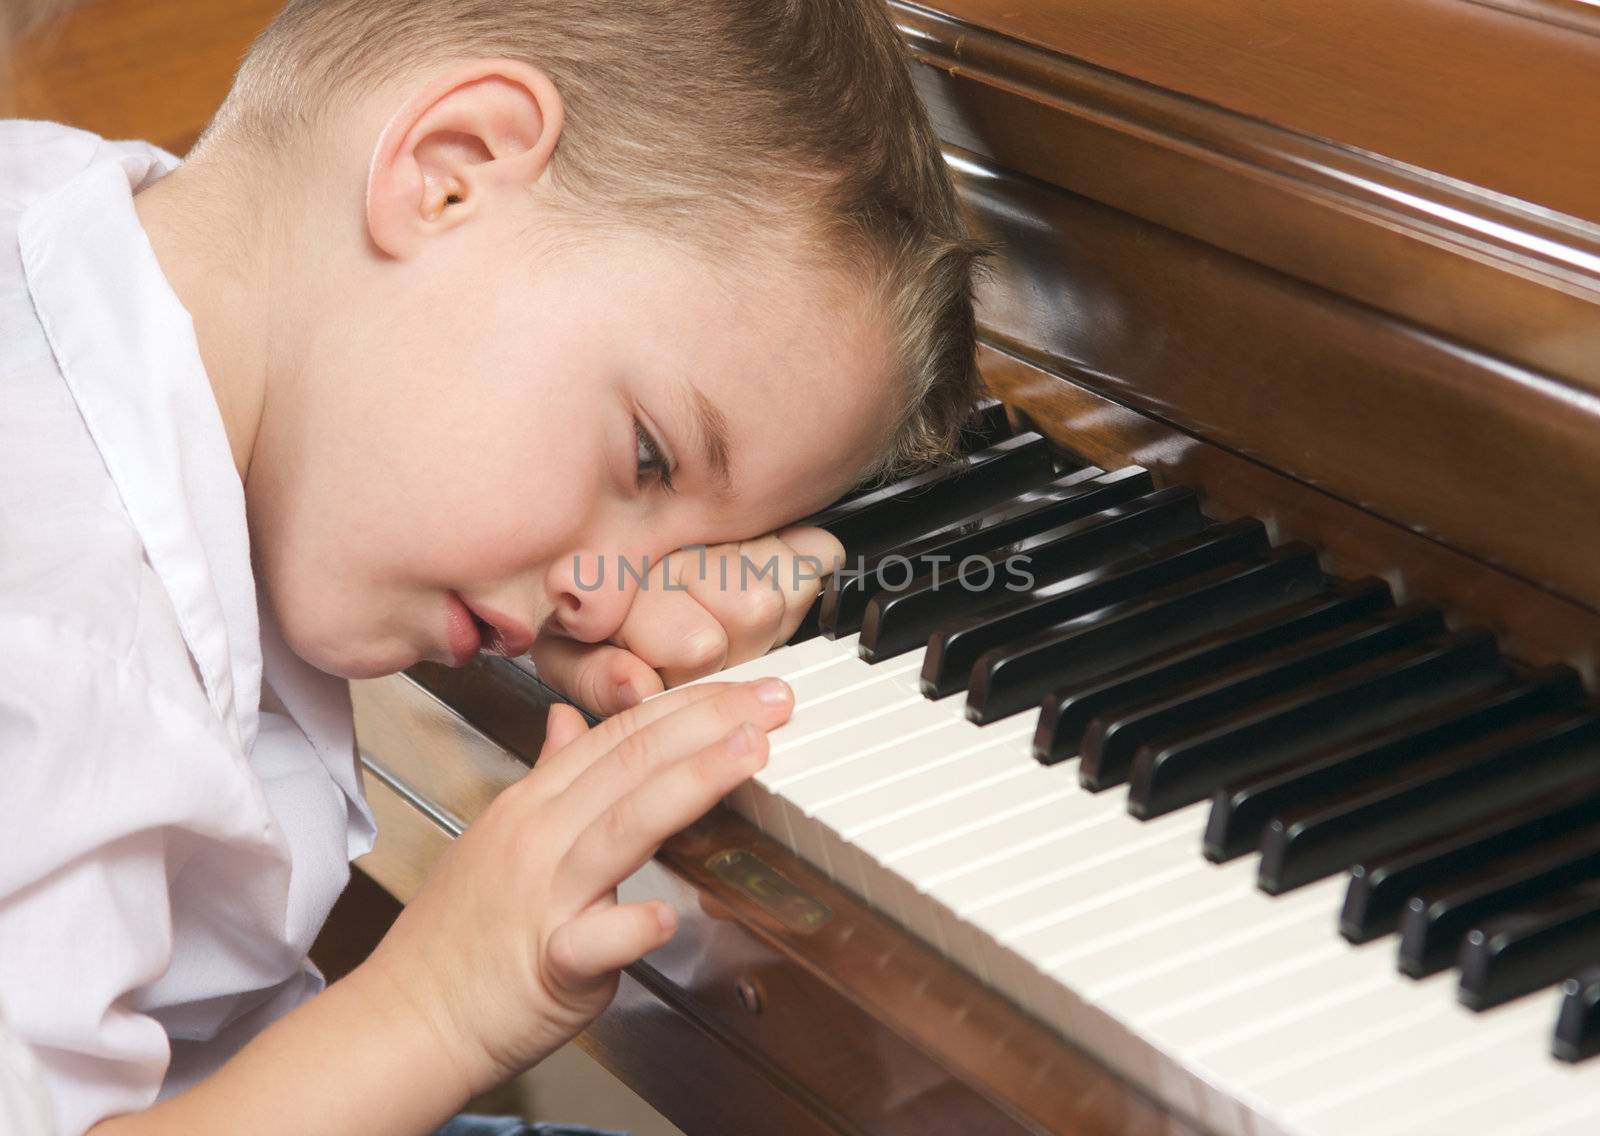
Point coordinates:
[[1237, 758]]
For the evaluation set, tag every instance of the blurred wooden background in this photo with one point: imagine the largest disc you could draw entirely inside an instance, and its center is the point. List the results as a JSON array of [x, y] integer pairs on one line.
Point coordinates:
[[148, 69]]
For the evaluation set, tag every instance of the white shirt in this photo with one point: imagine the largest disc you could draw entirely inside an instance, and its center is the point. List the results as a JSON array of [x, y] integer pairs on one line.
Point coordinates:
[[170, 850]]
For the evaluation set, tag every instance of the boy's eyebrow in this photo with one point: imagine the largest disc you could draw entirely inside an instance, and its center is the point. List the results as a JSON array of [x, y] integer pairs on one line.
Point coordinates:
[[712, 427]]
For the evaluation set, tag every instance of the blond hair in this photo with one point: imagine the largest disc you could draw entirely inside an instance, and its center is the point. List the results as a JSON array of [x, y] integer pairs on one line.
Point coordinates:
[[696, 117]]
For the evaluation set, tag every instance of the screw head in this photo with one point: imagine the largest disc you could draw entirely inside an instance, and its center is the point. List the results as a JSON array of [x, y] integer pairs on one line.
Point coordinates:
[[749, 995]]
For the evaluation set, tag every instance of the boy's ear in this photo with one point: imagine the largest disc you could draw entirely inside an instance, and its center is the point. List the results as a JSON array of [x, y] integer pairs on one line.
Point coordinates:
[[475, 138]]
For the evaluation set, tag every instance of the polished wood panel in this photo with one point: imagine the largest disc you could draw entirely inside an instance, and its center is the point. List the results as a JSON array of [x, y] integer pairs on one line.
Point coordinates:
[[1492, 459], [1574, 15], [1531, 622], [1472, 92], [863, 1026], [1488, 271], [148, 69]]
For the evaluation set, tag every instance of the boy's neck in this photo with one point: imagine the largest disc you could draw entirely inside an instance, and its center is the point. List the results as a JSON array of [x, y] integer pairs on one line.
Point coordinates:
[[213, 249]]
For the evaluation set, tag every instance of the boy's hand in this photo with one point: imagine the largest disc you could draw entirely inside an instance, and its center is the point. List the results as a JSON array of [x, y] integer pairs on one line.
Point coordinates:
[[701, 611], [513, 944]]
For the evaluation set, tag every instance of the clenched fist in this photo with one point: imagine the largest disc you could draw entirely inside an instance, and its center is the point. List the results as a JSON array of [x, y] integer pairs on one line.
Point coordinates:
[[698, 611]]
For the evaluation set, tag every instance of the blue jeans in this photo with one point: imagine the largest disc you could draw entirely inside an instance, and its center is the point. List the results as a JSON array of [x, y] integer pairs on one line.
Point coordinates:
[[467, 1125]]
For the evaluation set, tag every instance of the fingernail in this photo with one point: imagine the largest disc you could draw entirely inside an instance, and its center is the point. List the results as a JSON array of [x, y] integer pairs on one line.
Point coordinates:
[[666, 917], [742, 740], [627, 695], [773, 692]]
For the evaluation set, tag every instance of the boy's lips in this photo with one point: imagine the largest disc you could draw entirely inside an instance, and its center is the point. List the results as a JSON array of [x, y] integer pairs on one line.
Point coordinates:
[[473, 628]]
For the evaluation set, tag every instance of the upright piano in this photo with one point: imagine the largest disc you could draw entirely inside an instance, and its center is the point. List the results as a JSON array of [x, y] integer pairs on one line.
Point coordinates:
[[1271, 805]]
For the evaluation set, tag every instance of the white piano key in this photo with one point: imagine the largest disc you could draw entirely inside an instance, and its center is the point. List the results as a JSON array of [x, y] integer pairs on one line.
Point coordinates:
[[1004, 870], [1498, 1104], [930, 840], [859, 796], [1144, 857], [829, 716], [1364, 1000], [1268, 931], [817, 684], [798, 767], [1369, 1018], [1571, 1118], [1338, 1009], [947, 832], [1451, 1050], [1245, 1011], [820, 680], [822, 731], [1289, 991], [1159, 911], [787, 662], [1233, 919]]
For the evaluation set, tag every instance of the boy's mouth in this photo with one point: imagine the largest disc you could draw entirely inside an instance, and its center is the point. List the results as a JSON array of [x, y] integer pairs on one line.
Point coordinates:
[[471, 628]]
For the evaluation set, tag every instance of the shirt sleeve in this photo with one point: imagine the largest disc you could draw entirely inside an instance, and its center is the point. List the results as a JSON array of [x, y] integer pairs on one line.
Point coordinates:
[[24, 1109], [115, 779]]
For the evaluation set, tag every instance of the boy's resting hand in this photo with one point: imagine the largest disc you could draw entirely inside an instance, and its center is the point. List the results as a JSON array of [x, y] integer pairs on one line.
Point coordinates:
[[513, 943], [700, 612]]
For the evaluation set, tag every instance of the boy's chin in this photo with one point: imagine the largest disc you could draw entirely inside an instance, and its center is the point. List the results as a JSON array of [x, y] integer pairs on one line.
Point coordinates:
[[349, 658]]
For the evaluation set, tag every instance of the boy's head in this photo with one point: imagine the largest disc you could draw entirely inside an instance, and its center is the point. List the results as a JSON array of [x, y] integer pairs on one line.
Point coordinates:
[[534, 252]]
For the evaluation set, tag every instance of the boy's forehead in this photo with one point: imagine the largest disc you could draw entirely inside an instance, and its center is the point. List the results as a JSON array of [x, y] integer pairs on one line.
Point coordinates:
[[773, 365], [811, 379]]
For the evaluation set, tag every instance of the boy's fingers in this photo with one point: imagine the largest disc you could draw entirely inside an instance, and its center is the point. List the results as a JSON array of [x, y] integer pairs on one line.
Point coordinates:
[[585, 951], [766, 704], [628, 832], [558, 769], [603, 678], [819, 554], [673, 633], [750, 600], [785, 573], [562, 726]]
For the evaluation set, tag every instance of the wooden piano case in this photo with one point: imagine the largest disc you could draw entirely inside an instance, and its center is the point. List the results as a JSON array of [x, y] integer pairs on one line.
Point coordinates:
[[1335, 265], [1338, 267]]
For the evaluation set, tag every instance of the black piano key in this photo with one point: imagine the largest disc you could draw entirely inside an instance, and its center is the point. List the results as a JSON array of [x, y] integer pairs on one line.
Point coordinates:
[[1070, 498], [1439, 916], [1522, 951], [810, 625], [898, 621], [986, 425], [1578, 1021], [1115, 736], [1069, 707], [1000, 687], [956, 645], [1442, 794], [903, 510], [1173, 772], [1020, 669], [871, 495], [1378, 891], [1240, 812]]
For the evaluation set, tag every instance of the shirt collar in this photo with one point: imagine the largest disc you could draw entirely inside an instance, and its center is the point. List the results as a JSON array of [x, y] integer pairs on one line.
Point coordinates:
[[127, 351]]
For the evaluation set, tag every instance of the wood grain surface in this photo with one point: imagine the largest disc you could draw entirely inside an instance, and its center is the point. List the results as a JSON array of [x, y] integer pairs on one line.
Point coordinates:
[[1485, 94], [154, 70]]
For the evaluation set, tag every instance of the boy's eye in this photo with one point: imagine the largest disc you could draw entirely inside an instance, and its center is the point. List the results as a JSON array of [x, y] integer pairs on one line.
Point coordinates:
[[649, 461]]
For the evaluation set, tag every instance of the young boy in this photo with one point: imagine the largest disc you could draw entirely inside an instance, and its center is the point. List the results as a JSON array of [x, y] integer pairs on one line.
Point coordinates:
[[456, 309]]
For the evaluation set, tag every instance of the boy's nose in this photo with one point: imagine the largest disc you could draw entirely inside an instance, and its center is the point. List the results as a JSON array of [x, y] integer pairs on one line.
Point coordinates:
[[592, 594]]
